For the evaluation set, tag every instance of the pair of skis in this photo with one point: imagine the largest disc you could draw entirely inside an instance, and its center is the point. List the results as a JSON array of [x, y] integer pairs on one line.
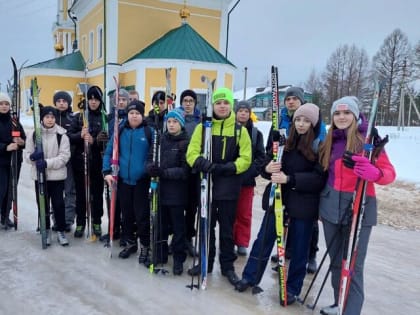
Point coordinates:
[[275, 200], [15, 109], [155, 216], [41, 177]]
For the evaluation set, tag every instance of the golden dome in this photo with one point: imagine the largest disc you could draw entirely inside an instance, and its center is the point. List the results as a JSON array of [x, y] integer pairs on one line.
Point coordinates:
[[59, 47], [184, 13]]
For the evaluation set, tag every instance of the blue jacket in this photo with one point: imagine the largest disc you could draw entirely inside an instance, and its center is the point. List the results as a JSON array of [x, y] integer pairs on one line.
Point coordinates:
[[133, 149]]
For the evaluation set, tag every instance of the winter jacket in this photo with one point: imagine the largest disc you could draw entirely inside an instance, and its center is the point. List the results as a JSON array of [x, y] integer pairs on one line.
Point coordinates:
[[175, 170], [229, 144], [6, 139], [65, 118], [122, 118], [191, 121], [55, 155], [133, 150], [74, 133], [258, 156], [337, 195]]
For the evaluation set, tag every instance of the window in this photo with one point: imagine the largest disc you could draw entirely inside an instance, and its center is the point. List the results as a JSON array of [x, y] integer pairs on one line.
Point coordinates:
[[84, 46], [100, 42], [91, 46]]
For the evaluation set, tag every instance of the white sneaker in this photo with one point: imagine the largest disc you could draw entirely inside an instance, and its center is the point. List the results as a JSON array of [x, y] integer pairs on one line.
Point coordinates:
[[330, 310], [61, 238], [48, 232]]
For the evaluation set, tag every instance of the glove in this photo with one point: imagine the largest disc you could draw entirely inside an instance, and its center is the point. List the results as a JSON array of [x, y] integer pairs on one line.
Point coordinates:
[[364, 169], [347, 159], [102, 137], [278, 137], [202, 165], [36, 155], [227, 169], [155, 171], [41, 165]]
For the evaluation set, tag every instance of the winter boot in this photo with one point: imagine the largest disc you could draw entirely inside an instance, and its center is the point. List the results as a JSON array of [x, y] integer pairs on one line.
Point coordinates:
[[242, 285], [194, 271], [144, 255], [241, 251], [178, 268], [330, 310], [80, 230], [290, 299], [61, 238], [131, 248], [97, 230], [48, 232], [231, 276]]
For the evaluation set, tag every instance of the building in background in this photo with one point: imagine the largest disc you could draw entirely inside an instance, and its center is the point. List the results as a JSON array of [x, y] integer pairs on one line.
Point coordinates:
[[135, 41]]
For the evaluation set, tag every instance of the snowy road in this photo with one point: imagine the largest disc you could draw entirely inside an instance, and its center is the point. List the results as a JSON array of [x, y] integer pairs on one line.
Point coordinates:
[[82, 279]]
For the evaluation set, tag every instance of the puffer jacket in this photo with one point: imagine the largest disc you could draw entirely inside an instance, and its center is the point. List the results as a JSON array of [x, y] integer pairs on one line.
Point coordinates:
[[56, 156], [228, 145], [337, 195]]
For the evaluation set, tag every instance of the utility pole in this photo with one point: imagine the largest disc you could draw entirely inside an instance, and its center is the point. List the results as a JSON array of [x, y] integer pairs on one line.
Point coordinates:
[[246, 74], [402, 99]]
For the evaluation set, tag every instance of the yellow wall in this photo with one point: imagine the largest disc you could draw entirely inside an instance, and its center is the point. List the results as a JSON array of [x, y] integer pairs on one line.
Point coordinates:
[[136, 33], [155, 78], [195, 78], [128, 78], [48, 85], [228, 81], [87, 25]]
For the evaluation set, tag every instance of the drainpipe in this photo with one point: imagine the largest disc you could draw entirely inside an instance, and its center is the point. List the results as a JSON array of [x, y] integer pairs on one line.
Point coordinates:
[[227, 28]]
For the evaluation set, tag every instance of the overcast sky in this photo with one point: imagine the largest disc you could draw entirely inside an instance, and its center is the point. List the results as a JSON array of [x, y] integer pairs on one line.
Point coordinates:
[[297, 35]]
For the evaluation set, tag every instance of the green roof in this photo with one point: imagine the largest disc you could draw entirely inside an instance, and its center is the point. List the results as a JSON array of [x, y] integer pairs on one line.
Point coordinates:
[[73, 61], [182, 43]]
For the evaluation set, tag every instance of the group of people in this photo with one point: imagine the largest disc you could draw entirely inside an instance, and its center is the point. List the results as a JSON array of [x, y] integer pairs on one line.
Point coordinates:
[[317, 174]]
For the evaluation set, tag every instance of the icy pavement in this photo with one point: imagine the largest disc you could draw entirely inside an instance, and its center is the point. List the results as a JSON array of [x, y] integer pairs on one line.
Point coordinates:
[[82, 279]]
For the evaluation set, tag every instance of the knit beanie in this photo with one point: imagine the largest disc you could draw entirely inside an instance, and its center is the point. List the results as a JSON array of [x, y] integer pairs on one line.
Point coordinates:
[[177, 114], [223, 94], [48, 110], [5, 98], [295, 91], [95, 92], [158, 96], [136, 105], [350, 103], [123, 93], [189, 93], [243, 104], [62, 95], [309, 111]]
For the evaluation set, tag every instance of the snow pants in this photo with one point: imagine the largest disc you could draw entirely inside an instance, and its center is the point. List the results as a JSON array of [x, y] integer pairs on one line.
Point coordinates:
[[243, 220]]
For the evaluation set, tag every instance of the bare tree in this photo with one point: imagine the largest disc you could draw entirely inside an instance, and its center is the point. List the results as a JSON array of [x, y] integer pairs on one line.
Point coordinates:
[[416, 61], [346, 73], [390, 64]]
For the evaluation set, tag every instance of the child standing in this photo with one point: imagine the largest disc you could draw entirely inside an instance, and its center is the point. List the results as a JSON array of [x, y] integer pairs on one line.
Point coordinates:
[[231, 156], [78, 134], [173, 172], [53, 159], [133, 181], [8, 144], [343, 146], [301, 178]]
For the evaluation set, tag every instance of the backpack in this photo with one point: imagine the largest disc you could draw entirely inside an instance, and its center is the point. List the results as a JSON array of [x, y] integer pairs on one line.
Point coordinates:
[[59, 136]]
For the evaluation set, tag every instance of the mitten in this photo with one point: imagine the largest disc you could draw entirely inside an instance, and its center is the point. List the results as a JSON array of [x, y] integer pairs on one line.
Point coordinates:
[[41, 165], [202, 165], [36, 155], [102, 137], [347, 159], [364, 169]]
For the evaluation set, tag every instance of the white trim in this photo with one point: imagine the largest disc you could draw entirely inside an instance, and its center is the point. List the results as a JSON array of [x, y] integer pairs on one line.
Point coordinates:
[[112, 31], [91, 46], [208, 4]]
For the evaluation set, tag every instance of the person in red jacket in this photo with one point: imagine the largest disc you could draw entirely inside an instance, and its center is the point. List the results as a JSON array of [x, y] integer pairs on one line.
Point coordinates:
[[341, 155]]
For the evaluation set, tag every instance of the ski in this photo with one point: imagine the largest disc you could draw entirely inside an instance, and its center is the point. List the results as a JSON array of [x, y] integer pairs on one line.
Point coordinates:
[[169, 100], [205, 186], [154, 193], [41, 178], [357, 211], [15, 134], [114, 167], [275, 193]]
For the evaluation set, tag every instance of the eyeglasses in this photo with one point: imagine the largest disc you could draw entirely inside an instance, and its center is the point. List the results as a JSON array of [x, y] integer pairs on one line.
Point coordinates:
[[294, 98], [186, 100]]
